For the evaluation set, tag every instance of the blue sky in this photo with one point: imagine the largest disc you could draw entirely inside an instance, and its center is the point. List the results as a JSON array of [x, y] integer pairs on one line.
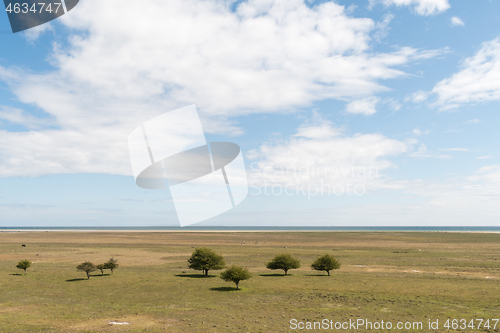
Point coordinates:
[[409, 88]]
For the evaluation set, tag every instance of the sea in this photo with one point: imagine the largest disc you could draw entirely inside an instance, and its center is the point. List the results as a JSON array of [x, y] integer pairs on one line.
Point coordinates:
[[260, 228]]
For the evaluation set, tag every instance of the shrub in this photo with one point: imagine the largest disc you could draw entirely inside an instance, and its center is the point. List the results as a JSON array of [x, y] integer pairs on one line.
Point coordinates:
[[86, 267], [205, 259], [326, 263], [24, 265], [284, 262], [101, 267], [111, 264], [235, 274]]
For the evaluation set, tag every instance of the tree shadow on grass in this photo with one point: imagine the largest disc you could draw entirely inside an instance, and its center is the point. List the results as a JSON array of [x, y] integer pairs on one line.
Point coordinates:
[[92, 276], [196, 276], [316, 275], [73, 280], [273, 274], [17, 274], [224, 289]]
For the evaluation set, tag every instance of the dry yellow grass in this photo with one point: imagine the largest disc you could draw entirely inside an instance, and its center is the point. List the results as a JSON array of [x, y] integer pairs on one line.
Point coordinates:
[[386, 275]]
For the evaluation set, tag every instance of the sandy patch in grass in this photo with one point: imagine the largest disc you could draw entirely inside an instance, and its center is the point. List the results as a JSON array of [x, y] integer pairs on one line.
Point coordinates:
[[118, 323], [135, 322]]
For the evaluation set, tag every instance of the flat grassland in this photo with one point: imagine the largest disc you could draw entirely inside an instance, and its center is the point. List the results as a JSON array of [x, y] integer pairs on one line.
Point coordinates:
[[390, 276]]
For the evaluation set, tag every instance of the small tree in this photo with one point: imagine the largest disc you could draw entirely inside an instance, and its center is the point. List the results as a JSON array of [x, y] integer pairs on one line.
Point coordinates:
[[204, 259], [111, 264], [24, 265], [235, 274], [326, 263], [101, 267], [86, 267], [284, 262]]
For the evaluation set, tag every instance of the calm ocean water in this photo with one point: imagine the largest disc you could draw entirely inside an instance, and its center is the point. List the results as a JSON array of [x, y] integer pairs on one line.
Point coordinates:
[[497, 229]]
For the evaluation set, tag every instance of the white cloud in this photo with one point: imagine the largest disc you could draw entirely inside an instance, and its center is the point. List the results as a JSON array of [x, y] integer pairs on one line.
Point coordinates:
[[455, 21], [418, 132], [477, 81], [411, 141], [485, 157], [329, 158], [471, 201], [20, 117], [394, 105], [37, 153], [421, 152], [449, 201], [121, 67], [455, 149], [490, 173], [383, 27], [417, 97], [351, 9], [318, 132], [474, 121], [365, 106], [421, 7], [265, 56], [32, 34], [427, 54]]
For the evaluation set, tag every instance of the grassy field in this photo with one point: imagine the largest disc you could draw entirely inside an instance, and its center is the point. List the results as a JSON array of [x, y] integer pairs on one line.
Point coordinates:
[[396, 277]]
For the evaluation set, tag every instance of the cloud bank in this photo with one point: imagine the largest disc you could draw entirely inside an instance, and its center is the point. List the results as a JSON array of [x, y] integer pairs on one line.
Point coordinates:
[[122, 66], [420, 7], [477, 81]]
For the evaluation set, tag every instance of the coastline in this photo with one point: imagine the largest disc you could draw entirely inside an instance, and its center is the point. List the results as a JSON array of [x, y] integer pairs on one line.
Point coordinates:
[[492, 230]]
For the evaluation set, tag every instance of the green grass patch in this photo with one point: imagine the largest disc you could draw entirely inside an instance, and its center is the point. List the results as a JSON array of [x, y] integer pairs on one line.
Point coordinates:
[[384, 276]]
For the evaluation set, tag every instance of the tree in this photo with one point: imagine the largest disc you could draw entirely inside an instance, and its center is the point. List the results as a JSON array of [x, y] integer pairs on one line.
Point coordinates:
[[24, 265], [204, 259], [326, 263], [284, 262], [235, 274], [86, 267], [111, 264], [101, 267]]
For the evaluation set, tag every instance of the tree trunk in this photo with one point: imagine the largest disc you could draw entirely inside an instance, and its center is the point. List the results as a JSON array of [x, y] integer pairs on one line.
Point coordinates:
[[328, 273], [88, 275], [111, 271], [286, 271], [237, 288], [25, 271]]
